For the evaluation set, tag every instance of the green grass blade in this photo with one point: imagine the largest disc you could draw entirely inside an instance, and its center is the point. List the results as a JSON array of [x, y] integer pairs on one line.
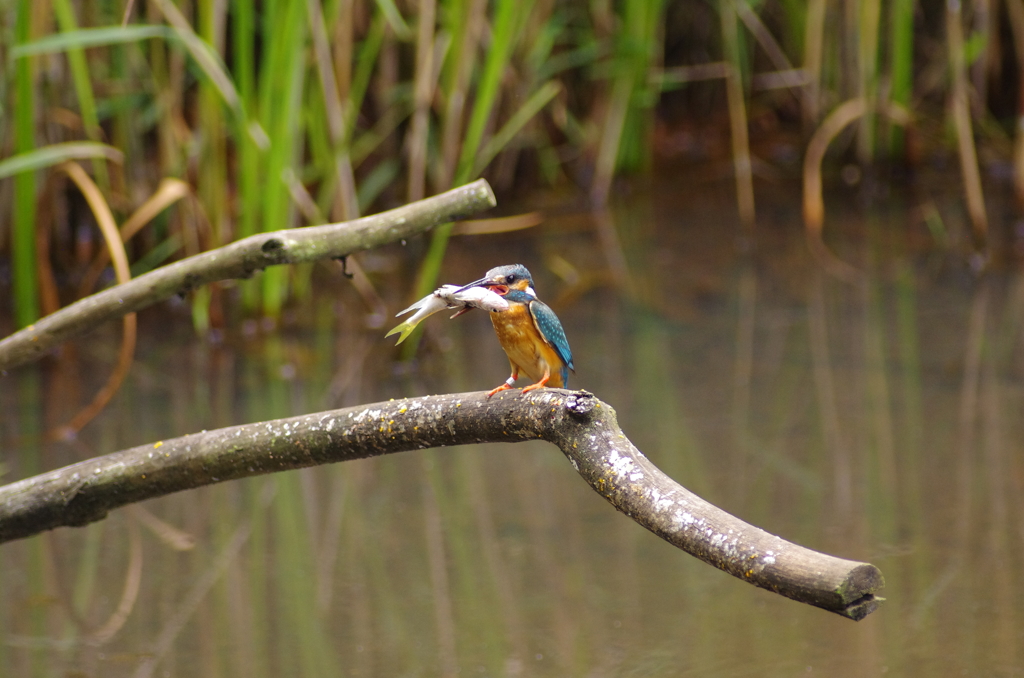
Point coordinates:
[[244, 49], [504, 31], [869, 21], [487, 93], [283, 93], [382, 176], [394, 18], [497, 62], [901, 32], [738, 120], [204, 55], [212, 66], [23, 234], [91, 37], [83, 87], [533, 105], [366, 60], [55, 154]]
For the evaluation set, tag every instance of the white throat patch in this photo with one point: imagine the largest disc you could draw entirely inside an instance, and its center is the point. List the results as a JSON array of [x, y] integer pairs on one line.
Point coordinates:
[[531, 292]]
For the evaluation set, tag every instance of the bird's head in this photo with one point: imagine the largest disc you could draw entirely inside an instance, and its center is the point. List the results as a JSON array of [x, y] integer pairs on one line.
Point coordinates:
[[501, 279]]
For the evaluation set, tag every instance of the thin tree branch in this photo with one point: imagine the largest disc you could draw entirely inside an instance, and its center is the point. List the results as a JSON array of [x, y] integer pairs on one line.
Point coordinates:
[[241, 259], [583, 427]]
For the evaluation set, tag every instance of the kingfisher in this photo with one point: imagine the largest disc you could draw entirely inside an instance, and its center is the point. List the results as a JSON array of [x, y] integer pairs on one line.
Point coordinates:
[[528, 331]]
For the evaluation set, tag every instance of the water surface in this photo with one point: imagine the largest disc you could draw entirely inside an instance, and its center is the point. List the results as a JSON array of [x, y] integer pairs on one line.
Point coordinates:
[[878, 421]]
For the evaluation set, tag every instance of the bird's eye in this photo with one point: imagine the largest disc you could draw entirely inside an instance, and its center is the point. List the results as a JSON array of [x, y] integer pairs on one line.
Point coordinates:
[[511, 277]]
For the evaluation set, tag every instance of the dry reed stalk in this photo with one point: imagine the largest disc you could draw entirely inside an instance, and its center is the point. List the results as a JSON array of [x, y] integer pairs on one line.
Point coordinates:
[[611, 135], [171, 536], [50, 210], [334, 109], [678, 75], [814, 204], [960, 109], [132, 583], [423, 91], [738, 120], [350, 265], [814, 37], [112, 237], [458, 92], [868, 22], [167, 193], [785, 76]]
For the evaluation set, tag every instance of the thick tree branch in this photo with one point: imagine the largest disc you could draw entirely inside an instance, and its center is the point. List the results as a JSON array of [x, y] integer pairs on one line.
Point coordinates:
[[583, 427], [241, 259]]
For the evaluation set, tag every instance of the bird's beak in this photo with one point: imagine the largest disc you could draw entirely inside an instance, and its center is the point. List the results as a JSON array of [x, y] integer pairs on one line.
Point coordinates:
[[482, 282], [491, 284]]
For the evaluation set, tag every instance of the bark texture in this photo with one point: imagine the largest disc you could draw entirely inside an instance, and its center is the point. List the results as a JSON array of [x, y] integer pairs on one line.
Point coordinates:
[[583, 427], [241, 259]]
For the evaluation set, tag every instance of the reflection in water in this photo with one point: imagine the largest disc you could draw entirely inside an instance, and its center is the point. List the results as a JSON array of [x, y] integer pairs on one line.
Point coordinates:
[[879, 422]]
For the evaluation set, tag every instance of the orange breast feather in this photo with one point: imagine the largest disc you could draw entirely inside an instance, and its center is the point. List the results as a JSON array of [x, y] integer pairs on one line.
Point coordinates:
[[524, 345]]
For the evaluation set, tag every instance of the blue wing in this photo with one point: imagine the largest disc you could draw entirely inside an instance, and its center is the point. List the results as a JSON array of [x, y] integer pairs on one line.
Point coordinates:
[[550, 328]]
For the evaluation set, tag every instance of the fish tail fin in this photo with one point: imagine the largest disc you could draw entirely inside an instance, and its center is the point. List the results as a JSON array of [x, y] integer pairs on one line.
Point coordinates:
[[403, 331]]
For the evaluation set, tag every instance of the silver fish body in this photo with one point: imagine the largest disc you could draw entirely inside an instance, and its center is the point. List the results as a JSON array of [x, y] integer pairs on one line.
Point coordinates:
[[447, 296], [474, 297]]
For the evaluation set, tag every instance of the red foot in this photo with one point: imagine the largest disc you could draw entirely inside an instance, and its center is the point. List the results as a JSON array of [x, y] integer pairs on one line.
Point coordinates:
[[539, 384], [503, 387]]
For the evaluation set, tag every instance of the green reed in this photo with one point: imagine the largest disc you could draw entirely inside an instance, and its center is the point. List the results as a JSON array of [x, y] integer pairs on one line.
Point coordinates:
[[901, 62], [83, 86], [623, 141], [868, 22], [233, 96], [511, 29], [23, 256]]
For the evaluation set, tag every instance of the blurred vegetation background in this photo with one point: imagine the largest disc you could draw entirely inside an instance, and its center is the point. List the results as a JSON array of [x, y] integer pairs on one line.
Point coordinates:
[[834, 414], [186, 124]]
